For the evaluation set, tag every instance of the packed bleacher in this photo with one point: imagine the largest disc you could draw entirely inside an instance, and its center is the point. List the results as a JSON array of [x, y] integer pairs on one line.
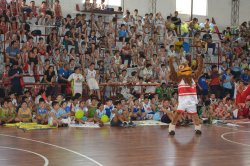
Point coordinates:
[[114, 63]]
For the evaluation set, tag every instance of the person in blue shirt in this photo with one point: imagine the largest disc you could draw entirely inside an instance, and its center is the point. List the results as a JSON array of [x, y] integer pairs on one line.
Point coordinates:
[[202, 85], [223, 68], [227, 84], [245, 76], [100, 111], [109, 107], [64, 74], [65, 117], [12, 52], [236, 70], [123, 33], [117, 119], [55, 116], [42, 112], [65, 110], [136, 110]]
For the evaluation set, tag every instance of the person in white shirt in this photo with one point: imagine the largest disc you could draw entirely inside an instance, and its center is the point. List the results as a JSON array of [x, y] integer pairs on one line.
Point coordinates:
[[172, 53], [147, 112], [136, 16], [151, 89], [147, 71], [168, 38], [163, 75], [102, 5], [118, 59], [91, 80], [76, 80], [124, 76], [139, 89]]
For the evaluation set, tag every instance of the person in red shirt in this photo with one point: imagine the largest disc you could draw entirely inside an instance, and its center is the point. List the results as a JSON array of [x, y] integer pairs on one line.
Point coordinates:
[[126, 54], [3, 4], [244, 110], [215, 87], [237, 50], [33, 8], [58, 12], [239, 89], [246, 92]]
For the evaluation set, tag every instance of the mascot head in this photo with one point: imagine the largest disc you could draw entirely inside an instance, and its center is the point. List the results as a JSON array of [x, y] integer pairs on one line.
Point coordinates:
[[184, 70]]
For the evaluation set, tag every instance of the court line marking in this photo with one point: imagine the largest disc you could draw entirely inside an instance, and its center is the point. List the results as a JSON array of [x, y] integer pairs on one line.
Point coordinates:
[[234, 142], [237, 130], [231, 128], [232, 132], [56, 146], [46, 161]]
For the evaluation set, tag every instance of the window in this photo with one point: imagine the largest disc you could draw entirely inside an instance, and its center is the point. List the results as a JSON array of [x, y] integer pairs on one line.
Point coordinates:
[[199, 7], [114, 2], [109, 2]]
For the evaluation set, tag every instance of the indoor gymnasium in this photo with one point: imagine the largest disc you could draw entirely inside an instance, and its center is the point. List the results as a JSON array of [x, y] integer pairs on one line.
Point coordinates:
[[124, 82]]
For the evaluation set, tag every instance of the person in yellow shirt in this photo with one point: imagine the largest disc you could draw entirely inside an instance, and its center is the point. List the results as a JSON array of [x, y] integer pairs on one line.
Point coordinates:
[[178, 44], [7, 112], [24, 113], [3, 112]]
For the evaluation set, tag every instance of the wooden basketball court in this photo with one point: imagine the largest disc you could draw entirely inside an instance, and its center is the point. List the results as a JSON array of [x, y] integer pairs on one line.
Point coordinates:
[[142, 146]]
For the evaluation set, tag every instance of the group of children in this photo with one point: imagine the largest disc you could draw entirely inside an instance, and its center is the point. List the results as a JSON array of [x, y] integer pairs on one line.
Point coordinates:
[[62, 111], [226, 108]]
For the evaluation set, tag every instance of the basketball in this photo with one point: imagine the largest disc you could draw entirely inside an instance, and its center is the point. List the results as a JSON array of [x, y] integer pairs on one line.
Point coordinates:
[[79, 114], [157, 117], [104, 118]]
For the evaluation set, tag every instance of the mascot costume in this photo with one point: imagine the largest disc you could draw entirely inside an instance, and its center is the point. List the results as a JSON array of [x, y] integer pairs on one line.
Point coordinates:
[[187, 94], [242, 94]]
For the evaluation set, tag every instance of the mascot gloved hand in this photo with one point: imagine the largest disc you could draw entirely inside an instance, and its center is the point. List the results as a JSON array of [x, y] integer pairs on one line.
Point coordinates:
[[187, 94]]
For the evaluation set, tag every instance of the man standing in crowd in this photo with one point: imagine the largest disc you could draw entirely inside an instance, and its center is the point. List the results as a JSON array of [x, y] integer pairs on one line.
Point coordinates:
[[15, 75]]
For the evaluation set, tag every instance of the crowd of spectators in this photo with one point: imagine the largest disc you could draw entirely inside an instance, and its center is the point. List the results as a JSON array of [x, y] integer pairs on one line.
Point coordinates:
[[124, 59]]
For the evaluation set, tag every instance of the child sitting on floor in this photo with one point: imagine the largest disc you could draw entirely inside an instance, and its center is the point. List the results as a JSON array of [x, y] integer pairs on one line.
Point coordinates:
[[100, 111], [64, 106], [221, 112], [55, 118], [119, 117], [136, 110], [92, 106], [4, 112], [7, 112], [82, 107], [243, 112], [147, 112], [24, 113], [64, 114], [12, 117], [74, 105], [42, 112], [109, 107]]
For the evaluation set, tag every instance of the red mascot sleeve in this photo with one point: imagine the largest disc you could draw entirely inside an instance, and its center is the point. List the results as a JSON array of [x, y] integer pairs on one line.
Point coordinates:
[[245, 92]]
